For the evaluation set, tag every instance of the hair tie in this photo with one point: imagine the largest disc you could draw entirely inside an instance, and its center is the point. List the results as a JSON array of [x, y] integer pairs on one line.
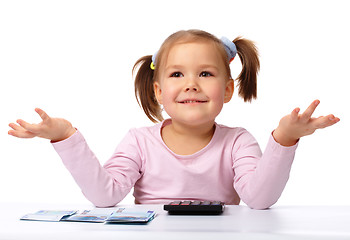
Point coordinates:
[[230, 48], [152, 66], [153, 63]]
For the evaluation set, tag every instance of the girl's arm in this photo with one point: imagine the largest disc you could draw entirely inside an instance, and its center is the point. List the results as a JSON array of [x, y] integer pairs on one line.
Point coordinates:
[[103, 186], [107, 185], [260, 178]]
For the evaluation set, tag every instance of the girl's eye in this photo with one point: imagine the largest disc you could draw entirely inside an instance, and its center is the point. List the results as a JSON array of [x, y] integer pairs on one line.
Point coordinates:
[[176, 75], [205, 74]]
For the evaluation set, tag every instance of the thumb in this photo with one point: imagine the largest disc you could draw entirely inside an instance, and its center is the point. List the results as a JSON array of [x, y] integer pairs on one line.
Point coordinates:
[[42, 114]]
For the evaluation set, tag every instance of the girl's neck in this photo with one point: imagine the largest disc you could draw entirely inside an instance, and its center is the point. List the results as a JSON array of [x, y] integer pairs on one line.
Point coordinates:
[[185, 139]]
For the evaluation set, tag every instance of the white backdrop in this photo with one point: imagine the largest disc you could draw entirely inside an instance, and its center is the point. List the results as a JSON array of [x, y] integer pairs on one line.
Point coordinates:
[[74, 60]]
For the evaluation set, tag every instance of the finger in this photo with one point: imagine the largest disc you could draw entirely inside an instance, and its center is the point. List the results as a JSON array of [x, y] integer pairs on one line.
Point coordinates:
[[21, 134], [306, 115], [19, 131], [16, 127], [327, 121], [42, 114], [295, 114], [333, 120], [27, 126]]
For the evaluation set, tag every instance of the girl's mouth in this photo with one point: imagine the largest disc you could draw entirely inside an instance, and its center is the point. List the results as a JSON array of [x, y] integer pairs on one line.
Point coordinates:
[[192, 101]]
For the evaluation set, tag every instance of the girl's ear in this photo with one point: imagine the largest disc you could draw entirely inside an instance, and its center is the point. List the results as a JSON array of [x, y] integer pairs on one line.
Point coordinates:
[[230, 86], [158, 92]]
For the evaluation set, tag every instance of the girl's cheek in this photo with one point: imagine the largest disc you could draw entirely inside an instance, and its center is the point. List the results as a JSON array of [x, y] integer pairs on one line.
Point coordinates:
[[168, 95], [216, 92]]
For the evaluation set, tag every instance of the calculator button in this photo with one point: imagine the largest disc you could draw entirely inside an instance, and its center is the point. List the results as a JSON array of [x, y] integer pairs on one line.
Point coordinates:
[[186, 203], [175, 203], [206, 203]]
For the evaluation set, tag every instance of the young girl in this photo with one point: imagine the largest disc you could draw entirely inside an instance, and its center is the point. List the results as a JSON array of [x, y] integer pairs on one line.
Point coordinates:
[[189, 156]]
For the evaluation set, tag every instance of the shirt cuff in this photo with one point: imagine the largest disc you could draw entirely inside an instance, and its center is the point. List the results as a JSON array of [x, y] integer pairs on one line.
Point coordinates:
[[67, 143], [279, 149]]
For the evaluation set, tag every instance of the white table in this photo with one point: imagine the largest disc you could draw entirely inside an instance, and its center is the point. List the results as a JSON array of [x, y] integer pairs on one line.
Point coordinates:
[[237, 222]]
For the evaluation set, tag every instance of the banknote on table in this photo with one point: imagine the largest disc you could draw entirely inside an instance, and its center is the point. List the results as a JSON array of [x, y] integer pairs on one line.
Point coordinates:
[[98, 215], [131, 215], [48, 215]]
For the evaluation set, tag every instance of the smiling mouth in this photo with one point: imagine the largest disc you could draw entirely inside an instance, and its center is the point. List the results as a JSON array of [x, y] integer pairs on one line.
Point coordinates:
[[192, 101]]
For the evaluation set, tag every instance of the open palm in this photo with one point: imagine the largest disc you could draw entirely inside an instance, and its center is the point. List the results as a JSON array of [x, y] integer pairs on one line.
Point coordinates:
[[55, 129]]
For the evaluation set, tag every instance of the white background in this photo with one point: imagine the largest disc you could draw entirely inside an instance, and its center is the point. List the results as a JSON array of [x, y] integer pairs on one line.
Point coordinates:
[[74, 60]]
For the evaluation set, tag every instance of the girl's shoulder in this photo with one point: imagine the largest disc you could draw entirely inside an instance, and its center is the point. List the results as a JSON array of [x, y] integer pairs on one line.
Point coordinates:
[[234, 134], [236, 138], [226, 130], [145, 132]]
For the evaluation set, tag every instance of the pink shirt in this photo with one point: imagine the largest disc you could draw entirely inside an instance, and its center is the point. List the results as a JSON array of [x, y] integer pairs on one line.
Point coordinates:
[[231, 167]]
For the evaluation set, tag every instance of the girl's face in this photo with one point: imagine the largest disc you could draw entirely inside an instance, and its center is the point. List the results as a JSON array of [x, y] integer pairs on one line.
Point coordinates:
[[193, 84]]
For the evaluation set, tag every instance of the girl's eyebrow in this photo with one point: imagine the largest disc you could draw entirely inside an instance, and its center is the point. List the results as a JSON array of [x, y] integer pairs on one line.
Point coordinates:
[[176, 66], [209, 66]]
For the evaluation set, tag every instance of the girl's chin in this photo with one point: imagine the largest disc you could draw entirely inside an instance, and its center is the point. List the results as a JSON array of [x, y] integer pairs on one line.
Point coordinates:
[[193, 121]]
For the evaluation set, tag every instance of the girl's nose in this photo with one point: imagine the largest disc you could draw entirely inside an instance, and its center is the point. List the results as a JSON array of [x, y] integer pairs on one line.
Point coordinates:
[[191, 85], [195, 89]]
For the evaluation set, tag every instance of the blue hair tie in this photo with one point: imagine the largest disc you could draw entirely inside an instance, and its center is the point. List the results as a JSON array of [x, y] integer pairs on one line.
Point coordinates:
[[154, 58], [230, 49]]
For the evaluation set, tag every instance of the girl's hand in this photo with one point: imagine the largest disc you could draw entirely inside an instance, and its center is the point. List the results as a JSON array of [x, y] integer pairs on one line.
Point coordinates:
[[55, 129], [295, 125]]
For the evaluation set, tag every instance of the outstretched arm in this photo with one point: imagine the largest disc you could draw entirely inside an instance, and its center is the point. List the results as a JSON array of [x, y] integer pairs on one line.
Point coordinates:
[[55, 129], [259, 181], [103, 186], [294, 126]]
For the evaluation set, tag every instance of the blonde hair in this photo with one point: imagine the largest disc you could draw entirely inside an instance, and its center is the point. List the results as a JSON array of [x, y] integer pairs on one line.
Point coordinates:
[[145, 76]]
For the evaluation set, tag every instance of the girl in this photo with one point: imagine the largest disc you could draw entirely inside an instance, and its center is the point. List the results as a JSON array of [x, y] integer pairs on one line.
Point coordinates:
[[189, 156]]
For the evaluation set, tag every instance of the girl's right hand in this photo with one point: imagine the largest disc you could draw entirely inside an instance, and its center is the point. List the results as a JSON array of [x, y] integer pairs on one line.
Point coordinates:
[[55, 129]]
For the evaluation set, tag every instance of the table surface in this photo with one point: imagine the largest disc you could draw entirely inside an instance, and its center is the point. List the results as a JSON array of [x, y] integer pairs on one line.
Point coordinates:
[[237, 222]]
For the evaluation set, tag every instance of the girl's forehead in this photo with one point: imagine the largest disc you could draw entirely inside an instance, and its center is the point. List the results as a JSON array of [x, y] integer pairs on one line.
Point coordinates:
[[199, 50], [181, 46]]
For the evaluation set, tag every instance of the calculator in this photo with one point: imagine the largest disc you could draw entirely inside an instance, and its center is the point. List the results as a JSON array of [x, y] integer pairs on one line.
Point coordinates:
[[195, 207]]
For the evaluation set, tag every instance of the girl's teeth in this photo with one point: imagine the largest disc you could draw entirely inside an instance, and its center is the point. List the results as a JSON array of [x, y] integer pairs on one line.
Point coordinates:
[[191, 101]]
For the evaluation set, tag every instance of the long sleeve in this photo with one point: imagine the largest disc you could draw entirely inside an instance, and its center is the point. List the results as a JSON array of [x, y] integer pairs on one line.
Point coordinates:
[[104, 185], [260, 178]]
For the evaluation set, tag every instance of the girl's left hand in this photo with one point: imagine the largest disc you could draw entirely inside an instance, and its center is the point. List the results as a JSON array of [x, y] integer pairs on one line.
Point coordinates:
[[294, 126]]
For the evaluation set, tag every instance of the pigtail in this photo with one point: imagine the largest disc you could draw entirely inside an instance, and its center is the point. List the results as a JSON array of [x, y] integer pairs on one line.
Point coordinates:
[[247, 79], [144, 90]]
